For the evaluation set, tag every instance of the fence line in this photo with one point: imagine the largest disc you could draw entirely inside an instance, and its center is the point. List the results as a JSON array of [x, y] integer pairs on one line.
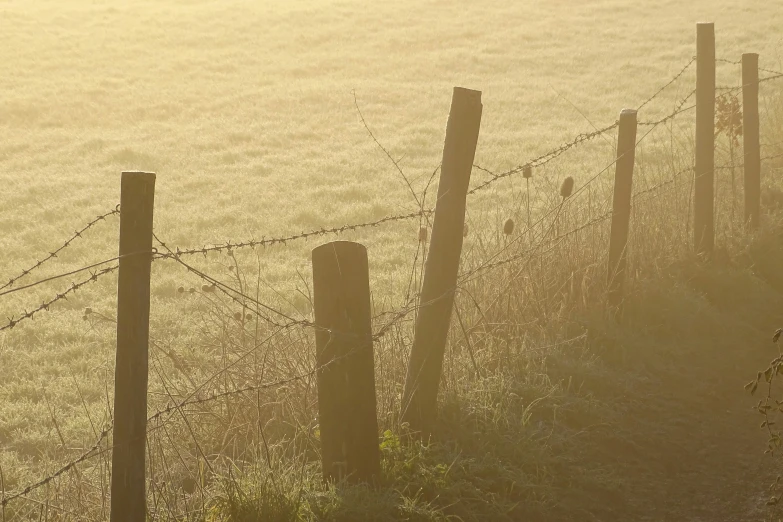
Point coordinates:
[[191, 400], [243, 299]]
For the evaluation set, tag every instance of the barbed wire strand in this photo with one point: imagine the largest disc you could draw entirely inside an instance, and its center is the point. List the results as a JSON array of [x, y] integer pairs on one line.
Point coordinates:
[[192, 400], [66, 244], [674, 79], [252, 243], [13, 321]]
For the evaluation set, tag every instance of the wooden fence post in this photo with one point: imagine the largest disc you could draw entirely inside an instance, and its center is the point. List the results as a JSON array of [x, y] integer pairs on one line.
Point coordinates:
[[128, 496], [344, 353], [419, 403], [704, 193], [621, 205], [750, 138]]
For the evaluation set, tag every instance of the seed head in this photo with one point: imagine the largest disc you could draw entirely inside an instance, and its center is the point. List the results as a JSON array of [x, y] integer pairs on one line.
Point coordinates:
[[567, 188], [238, 316], [423, 235], [508, 228], [231, 268], [205, 288], [181, 290], [527, 171], [249, 317], [192, 290], [87, 311]]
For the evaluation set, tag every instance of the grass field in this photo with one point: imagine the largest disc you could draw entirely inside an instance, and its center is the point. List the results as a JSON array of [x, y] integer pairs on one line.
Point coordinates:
[[247, 113]]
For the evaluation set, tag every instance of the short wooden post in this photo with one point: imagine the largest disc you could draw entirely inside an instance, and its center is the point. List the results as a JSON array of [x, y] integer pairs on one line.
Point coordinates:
[[344, 355], [750, 138], [420, 394], [704, 190], [621, 206], [128, 497]]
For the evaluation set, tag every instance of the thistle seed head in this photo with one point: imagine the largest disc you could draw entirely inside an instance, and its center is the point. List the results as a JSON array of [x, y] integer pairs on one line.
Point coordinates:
[[567, 188]]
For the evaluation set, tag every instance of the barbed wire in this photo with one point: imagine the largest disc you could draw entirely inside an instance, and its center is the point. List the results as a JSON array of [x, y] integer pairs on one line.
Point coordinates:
[[264, 242], [770, 78], [190, 401], [69, 273], [582, 138], [679, 110], [65, 245], [730, 90], [64, 469], [542, 159], [674, 79], [397, 317], [235, 295], [12, 321], [559, 207]]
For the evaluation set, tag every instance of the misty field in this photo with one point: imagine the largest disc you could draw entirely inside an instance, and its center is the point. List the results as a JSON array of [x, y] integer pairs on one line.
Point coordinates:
[[253, 116]]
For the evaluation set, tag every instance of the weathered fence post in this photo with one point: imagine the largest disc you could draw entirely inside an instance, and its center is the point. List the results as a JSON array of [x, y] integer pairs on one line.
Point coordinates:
[[750, 138], [128, 497], [704, 190], [419, 403], [621, 205], [344, 355]]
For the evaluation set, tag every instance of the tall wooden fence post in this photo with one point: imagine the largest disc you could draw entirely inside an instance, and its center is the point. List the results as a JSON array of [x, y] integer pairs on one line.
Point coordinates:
[[420, 394], [621, 206], [344, 355], [704, 190], [128, 497], [750, 138]]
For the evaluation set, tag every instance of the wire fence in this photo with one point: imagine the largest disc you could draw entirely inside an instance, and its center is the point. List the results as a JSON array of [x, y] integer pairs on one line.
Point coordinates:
[[539, 237]]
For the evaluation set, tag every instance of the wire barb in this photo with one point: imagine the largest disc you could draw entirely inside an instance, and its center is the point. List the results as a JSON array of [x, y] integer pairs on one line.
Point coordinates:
[[66, 244]]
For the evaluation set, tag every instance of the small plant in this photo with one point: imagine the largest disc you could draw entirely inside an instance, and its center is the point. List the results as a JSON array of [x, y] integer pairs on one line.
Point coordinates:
[[769, 407]]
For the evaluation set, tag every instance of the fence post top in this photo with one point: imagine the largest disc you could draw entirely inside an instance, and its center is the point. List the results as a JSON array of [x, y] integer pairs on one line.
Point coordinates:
[[750, 56], [467, 94], [627, 113], [339, 245], [137, 174], [705, 24]]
